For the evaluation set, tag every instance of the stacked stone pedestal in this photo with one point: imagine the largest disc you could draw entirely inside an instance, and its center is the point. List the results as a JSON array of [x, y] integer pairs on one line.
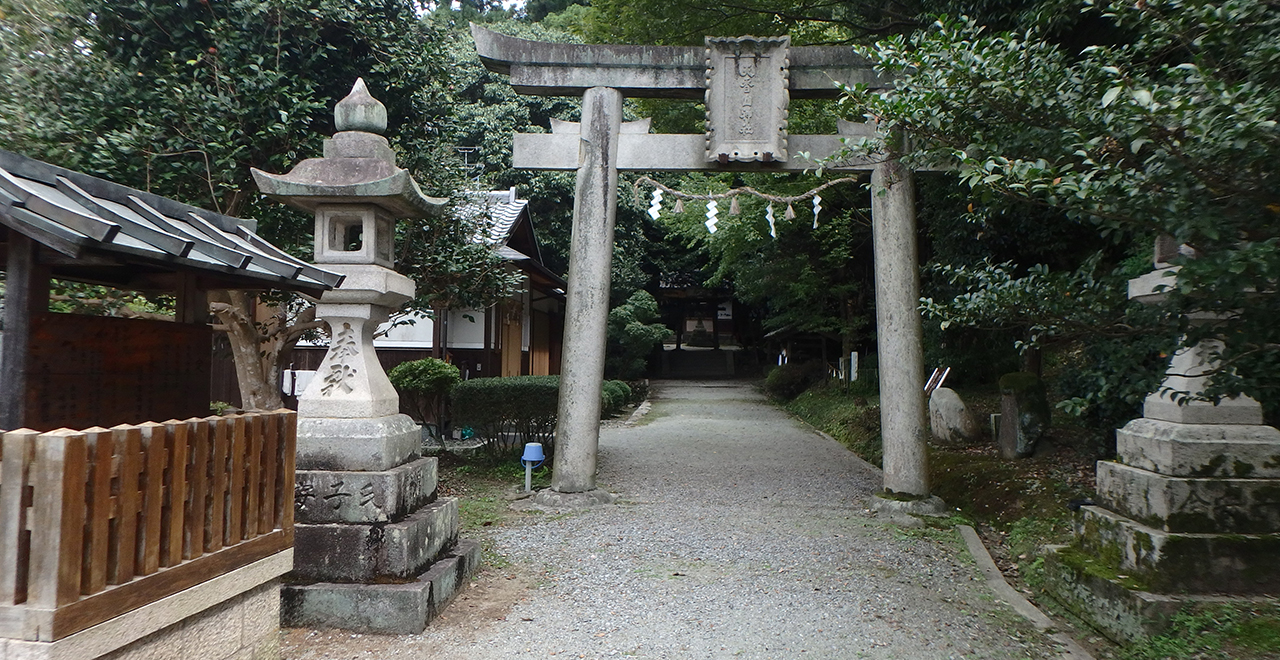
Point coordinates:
[[1190, 511], [375, 551], [1190, 508]]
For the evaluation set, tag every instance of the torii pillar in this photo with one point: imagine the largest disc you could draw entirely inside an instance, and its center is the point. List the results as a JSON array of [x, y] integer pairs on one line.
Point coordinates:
[[746, 83]]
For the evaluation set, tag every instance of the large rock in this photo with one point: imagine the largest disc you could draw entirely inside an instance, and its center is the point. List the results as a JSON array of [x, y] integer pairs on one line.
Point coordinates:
[[950, 419], [1024, 414]]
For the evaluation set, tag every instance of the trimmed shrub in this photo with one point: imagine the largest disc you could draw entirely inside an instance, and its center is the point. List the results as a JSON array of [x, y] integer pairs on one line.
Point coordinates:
[[634, 332], [508, 412], [788, 381], [424, 387], [613, 396]]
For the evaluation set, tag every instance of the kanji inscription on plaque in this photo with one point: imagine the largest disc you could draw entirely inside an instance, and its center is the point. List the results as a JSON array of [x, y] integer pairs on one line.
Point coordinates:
[[747, 97]]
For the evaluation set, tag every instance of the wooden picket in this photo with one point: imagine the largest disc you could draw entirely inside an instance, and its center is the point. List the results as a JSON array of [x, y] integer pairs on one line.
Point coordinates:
[[99, 522]]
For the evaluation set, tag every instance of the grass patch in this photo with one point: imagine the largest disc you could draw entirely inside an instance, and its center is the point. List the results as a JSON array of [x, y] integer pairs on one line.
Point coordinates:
[[481, 488], [852, 419], [1213, 632]]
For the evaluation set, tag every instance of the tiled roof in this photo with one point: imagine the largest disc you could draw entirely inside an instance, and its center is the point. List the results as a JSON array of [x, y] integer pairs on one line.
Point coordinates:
[[502, 210], [76, 214]]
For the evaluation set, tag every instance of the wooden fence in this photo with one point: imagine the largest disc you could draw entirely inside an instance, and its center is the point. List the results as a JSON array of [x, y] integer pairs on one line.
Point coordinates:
[[99, 522]]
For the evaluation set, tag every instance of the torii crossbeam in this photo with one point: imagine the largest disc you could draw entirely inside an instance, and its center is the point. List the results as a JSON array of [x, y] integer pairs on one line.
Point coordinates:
[[746, 83]]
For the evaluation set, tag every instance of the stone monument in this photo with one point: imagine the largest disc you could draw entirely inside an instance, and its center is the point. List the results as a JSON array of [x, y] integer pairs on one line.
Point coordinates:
[[375, 548], [1190, 508]]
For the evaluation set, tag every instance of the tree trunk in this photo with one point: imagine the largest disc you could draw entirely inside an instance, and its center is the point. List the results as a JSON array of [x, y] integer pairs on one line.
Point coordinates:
[[258, 347]]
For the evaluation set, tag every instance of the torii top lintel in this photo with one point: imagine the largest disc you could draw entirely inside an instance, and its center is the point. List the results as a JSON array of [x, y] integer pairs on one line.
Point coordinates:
[[541, 68]]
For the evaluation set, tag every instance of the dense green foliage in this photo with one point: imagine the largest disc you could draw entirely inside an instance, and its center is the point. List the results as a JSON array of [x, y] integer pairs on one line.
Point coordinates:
[[1170, 132], [424, 387], [788, 381], [632, 335], [183, 98], [508, 412]]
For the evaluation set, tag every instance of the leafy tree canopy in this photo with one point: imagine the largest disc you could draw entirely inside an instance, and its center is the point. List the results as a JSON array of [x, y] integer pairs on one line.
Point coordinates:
[[1172, 133]]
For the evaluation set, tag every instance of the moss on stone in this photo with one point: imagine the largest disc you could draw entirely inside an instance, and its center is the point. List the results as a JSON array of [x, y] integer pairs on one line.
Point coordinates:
[[1104, 565], [1019, 381], [887, 494], [1211, 468]]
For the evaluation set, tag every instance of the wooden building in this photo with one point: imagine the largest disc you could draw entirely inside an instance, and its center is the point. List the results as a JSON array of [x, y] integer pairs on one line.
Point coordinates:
[[521, 335], [76, 371]]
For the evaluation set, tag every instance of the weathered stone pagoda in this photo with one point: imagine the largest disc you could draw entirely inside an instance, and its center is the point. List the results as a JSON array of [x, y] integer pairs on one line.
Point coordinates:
[[1190, 509], [376, 549]]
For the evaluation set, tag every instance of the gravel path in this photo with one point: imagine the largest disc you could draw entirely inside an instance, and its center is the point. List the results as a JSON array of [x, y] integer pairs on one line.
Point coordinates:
[[741, 534]]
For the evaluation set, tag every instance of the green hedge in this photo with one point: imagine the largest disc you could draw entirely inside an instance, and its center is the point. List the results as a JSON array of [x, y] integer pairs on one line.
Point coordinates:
[[786, 382], [508, 412]]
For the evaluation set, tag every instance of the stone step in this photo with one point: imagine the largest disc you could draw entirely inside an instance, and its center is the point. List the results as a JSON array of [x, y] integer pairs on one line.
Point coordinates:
[[323, 496], [1200, 450], [1167, 562], [1212, 505], [1122, 614], [348, 552], [401, 609]]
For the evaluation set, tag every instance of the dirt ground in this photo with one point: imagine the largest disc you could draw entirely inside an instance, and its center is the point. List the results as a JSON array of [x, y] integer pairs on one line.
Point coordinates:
[[489, 598]]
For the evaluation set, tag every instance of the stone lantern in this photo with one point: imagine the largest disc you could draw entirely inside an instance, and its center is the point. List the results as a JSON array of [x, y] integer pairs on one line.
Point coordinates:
[[349, 416], [375, 549]]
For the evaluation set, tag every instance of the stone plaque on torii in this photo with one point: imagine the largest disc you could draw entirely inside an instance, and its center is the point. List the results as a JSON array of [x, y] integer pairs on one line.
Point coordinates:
[[746, 84]]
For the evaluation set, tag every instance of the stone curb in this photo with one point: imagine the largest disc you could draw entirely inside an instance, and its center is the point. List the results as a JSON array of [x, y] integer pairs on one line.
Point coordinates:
[[1003, 591]]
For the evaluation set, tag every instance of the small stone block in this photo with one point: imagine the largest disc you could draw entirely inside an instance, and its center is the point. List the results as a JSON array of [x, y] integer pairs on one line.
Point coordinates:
[[322, 496], [362, 553], [449, 575], [372, 444], [1190, 505], [382, 608], [400, 609], [1200, 450]]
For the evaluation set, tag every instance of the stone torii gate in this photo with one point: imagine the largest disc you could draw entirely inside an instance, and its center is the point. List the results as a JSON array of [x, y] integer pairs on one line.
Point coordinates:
[[746, 83]]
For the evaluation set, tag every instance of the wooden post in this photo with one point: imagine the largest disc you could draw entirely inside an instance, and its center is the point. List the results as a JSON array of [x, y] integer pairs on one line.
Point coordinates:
[[57, 509], [191, 305], [19, 452], [26, 292]]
